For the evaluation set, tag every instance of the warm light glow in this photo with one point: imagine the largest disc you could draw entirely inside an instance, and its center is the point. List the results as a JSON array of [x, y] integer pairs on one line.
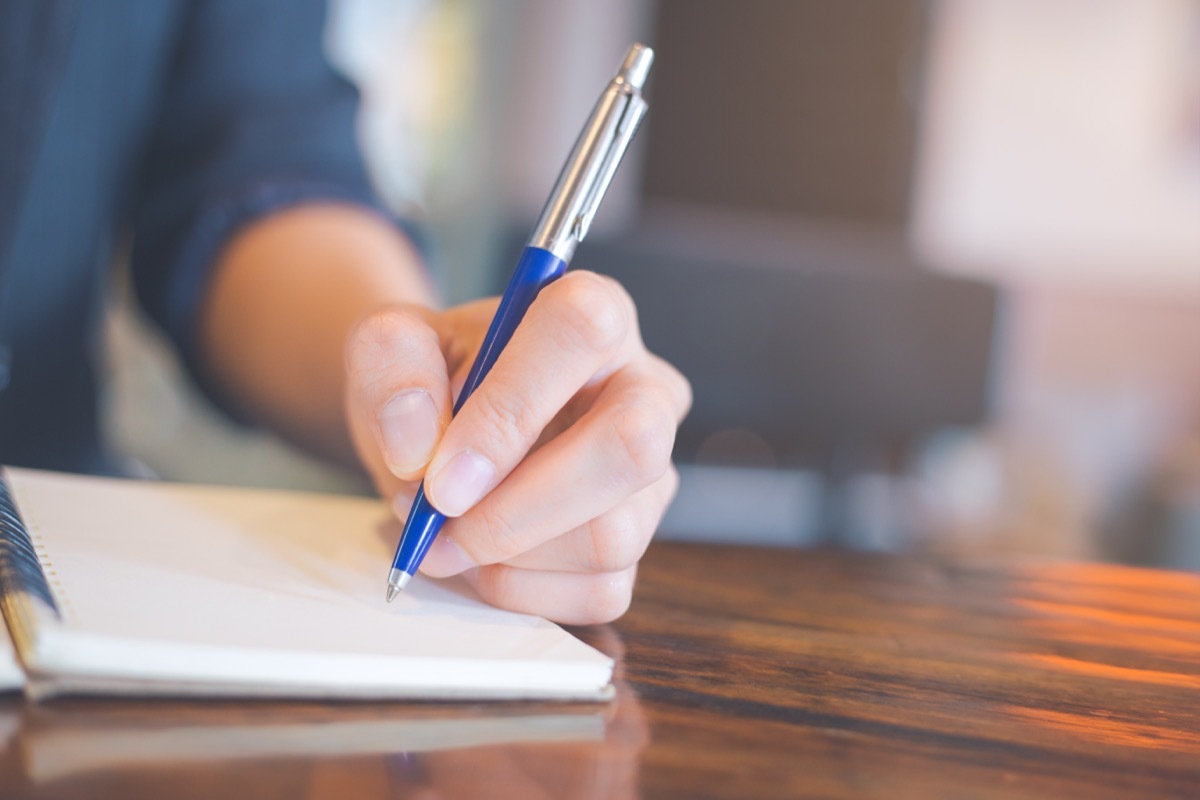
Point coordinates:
[[1093, 727]]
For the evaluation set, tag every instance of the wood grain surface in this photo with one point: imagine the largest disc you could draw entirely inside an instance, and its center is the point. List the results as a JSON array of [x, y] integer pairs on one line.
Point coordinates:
[[742, 673]]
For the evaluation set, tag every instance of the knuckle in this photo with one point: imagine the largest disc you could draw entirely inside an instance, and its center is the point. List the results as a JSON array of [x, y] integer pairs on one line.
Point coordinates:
[[612, 542], [674, 382], [494, 584], [672, 484], [503, 540], [682, 389], [609, 598], [364, 345], [646, 436], [503, 419], [595, 310], [376, 339]]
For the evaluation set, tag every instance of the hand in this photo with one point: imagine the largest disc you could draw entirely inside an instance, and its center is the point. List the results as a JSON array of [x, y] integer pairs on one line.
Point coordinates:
[[557, 470]]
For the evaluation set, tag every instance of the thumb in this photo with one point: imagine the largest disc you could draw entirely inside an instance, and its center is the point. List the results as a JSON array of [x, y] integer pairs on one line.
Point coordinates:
[[397, 393]]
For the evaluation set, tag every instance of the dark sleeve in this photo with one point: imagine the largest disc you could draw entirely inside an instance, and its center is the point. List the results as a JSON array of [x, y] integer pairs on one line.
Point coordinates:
[[252, 120]]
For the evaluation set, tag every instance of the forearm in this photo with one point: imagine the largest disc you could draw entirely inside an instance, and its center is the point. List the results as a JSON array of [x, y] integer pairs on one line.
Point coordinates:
[[285, 295]]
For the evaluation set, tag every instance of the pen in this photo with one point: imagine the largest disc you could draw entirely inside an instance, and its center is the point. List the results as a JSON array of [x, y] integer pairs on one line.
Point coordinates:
[[563, 224]]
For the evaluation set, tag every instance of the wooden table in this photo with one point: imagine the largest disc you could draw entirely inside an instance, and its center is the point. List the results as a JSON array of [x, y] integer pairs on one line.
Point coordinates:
[[743, 673]]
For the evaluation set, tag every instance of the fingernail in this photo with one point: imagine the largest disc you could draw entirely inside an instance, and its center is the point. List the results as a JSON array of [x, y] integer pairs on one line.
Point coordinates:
[[445, 558], [411, 430], [461, 483]]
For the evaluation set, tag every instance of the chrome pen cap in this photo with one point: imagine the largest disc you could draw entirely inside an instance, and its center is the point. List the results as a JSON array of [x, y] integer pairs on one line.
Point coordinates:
[[594, 159]]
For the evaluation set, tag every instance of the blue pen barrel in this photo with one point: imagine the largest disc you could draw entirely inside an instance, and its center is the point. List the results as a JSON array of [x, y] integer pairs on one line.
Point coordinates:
[[535, 269]]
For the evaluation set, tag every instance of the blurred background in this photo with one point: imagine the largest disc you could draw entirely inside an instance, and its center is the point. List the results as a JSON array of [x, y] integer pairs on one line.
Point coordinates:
[[933, 268]]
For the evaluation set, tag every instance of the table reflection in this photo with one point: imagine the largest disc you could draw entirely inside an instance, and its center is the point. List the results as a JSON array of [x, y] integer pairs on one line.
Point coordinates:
[[130, 749]]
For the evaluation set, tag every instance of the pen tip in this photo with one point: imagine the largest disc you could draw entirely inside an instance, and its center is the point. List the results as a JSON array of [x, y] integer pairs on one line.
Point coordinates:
[[397, 580]]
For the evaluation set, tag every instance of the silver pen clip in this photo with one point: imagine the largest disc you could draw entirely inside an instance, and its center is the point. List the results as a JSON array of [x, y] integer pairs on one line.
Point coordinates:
[[594, 159]]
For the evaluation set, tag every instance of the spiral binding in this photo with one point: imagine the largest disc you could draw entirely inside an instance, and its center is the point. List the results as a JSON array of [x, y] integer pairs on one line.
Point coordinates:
[[20, 569]]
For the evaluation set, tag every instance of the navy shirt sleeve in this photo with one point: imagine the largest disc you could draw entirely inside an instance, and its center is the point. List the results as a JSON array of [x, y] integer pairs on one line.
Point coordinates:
[[252, 120]]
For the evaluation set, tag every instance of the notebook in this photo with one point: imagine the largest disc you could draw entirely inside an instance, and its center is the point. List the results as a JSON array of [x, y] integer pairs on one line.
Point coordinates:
[[11, 677], [137, 587]]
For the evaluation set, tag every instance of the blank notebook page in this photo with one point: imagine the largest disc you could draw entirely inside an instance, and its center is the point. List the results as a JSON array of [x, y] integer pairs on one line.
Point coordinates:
[[280, 590]]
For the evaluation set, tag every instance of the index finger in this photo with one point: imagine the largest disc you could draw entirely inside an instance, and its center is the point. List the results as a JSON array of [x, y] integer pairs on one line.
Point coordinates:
[[579, 329]]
